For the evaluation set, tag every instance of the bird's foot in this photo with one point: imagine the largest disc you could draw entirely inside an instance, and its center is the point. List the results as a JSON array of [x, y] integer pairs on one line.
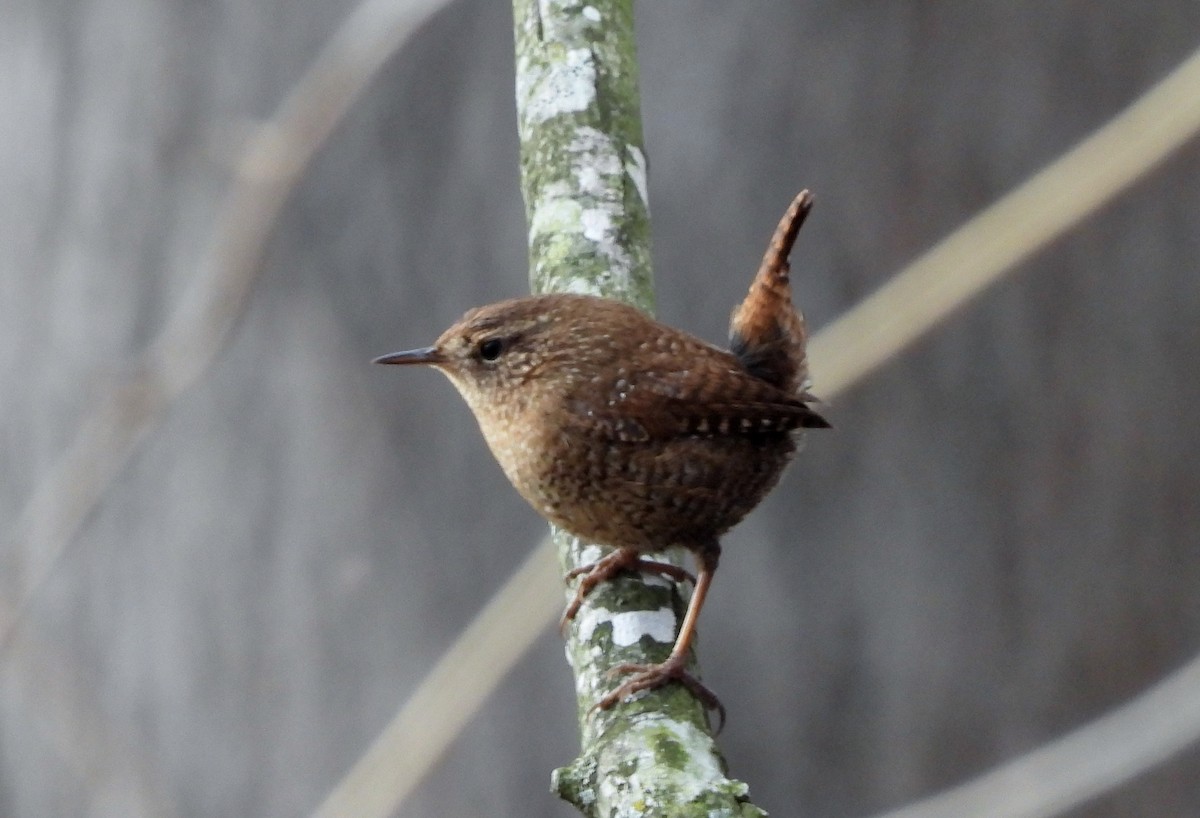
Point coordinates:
[[651, 677], [607, 567]]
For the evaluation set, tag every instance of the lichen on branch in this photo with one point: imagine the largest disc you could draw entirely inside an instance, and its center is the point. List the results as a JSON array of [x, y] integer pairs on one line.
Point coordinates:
[[583, 175]]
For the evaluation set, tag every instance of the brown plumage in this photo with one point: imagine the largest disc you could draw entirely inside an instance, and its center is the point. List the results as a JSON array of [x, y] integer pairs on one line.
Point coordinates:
[[634, 434]]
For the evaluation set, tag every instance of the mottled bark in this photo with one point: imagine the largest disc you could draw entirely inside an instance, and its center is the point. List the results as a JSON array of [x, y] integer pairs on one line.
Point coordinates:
[[584, 181]]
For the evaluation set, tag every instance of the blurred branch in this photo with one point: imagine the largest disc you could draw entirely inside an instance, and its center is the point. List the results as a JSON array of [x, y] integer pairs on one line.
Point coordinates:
[[935, 285], [419, 734], [271, 164], [1093, 760], [1021, 223]]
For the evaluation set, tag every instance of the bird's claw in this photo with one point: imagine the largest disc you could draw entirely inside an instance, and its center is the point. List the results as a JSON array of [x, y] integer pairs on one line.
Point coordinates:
[[608, 567], [652, 677]]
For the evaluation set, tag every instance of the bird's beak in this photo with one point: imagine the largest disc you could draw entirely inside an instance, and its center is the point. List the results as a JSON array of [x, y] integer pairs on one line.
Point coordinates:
[[424, 355]]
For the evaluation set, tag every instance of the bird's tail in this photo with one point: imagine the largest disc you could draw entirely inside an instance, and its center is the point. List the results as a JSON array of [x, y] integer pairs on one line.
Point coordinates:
[[766, 331]]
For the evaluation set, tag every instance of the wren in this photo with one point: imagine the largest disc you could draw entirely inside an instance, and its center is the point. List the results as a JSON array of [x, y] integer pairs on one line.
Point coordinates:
[[633, 434]]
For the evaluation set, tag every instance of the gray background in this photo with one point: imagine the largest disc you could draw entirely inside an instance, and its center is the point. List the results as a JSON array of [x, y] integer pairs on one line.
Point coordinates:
[[997, 543]]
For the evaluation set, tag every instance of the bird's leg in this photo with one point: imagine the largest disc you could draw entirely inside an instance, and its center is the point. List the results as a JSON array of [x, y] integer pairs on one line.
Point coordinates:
[[674, 668], [607, 567]]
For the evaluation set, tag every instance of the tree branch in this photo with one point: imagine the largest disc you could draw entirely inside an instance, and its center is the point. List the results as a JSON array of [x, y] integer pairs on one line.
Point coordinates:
[[584, 181]]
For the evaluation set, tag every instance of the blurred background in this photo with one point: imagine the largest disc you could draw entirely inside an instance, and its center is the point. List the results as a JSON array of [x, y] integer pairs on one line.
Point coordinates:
[[999, 541]]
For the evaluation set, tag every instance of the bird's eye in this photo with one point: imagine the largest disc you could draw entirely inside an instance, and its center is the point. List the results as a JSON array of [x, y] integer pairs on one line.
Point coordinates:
[[490, 349]]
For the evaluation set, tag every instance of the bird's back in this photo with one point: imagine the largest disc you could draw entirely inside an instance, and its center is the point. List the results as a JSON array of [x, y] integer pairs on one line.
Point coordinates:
[[663, 439]]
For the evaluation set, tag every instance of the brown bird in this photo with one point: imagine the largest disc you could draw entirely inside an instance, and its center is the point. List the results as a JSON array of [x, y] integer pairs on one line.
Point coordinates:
[[633, 434]]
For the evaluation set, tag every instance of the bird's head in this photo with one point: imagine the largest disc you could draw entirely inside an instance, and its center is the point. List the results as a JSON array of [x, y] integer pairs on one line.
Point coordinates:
[[495, 350]]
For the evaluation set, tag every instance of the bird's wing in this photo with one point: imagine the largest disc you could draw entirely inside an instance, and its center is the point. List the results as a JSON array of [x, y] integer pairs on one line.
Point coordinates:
[[711, 398]]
